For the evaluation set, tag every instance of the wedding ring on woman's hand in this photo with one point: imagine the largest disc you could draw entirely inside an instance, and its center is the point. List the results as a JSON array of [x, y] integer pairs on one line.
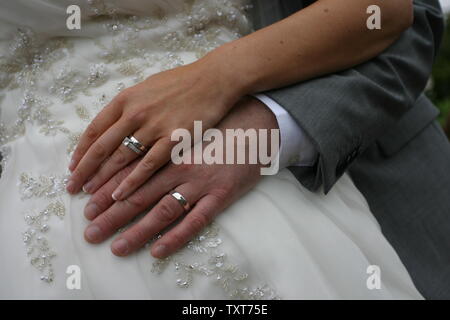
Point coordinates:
[[133, 144], [181, 200]]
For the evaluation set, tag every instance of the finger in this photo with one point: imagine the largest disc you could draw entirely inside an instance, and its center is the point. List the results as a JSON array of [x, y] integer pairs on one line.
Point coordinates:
[[101, 199], [118, 160], [97, 153], [160, 217], [106, 223], [195, 221], [158, 156], [104, 119]]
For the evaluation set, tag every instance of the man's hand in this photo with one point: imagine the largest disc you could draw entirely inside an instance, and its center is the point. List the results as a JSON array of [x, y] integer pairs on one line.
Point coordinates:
[[209, 189]]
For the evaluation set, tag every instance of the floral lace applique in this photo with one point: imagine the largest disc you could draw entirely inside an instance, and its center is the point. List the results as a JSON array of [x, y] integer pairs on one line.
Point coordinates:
[[202, 257], [69, 83], [21, 68], [31, 110], [83, 113], [42, 186], [37, 246]]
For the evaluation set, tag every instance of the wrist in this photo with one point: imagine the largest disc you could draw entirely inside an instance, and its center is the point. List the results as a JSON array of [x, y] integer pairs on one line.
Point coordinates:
[[225, 63]]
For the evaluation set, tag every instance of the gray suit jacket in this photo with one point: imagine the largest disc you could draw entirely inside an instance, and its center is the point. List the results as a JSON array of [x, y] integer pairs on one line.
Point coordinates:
[[374, 121]]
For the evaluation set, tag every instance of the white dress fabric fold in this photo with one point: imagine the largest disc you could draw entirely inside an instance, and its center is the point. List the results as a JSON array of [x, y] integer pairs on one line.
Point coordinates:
[[280, 241]]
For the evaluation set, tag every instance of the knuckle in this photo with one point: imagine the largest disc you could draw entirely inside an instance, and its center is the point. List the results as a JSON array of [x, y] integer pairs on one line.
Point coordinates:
[[78, 153], [91, 131], [119, 158], [177, 239], [131, 181], [123, 96], [137, 199], [118, 178], [197, 223], [77, 175], [107, 222], [125, 172], [165, 213], [137, 116], [148, 165], [220, 195], [99, 150], [138, 235], [102, 200]]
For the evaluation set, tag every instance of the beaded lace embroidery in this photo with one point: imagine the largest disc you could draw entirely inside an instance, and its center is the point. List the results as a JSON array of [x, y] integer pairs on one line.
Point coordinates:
[[37, 245], [29, 59], [43, 186], [202, 257]]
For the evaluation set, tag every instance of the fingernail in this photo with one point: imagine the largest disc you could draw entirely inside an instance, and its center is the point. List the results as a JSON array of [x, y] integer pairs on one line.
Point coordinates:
[[120, 247], [88, 187], [93, 233], [71, 186], [117, 194], [90, 212], [160, 251]]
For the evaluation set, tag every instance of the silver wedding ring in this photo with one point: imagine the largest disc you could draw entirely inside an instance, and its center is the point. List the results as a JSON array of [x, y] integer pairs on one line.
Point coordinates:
[[181, 200], [133, 144]]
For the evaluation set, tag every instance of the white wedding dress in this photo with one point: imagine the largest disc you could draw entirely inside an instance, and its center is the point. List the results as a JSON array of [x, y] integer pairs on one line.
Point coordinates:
[[279, 241]]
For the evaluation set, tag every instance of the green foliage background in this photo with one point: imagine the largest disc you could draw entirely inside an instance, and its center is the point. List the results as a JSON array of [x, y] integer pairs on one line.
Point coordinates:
[[439, 91]]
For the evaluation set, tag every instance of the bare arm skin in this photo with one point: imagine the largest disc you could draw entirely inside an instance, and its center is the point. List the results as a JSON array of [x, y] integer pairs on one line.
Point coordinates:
[[326, 37]]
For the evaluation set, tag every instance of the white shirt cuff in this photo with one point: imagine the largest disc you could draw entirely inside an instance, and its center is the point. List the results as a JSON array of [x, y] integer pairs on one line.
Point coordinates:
[[296, 149]]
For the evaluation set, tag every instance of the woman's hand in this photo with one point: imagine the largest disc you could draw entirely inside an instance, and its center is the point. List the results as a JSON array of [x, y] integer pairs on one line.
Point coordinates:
[[149, 111]]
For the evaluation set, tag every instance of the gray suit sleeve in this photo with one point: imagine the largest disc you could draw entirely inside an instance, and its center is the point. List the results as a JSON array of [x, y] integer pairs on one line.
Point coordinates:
[[344, 113]]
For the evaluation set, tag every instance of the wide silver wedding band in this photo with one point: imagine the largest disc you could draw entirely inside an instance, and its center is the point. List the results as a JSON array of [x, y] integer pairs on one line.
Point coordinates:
[[133, 144], [181, 200]]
